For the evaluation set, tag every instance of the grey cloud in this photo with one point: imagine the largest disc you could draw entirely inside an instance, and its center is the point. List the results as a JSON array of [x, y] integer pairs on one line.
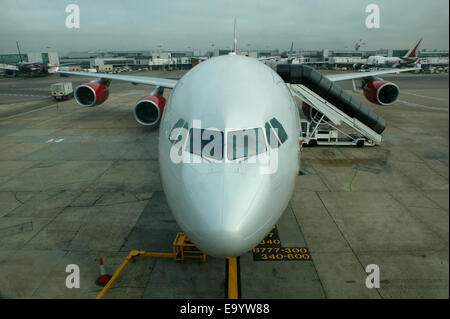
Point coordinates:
[[139, 24]]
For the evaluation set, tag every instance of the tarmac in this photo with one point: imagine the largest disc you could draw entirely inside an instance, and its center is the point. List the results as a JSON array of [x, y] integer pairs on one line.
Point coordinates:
[[77, 184]]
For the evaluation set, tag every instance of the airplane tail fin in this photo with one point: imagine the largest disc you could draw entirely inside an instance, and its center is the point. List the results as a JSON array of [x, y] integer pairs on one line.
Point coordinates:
[[412, 53]]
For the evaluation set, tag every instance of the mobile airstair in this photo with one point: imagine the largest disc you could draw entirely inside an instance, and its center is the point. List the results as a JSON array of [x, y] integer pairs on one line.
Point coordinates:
[[328, 125]]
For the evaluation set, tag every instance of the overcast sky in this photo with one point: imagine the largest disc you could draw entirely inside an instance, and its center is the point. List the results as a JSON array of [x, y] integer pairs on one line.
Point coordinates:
[[177, 25]]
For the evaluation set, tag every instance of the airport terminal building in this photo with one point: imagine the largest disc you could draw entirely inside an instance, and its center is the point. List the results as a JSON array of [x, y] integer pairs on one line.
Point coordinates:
[[51, 58], [168, 60]]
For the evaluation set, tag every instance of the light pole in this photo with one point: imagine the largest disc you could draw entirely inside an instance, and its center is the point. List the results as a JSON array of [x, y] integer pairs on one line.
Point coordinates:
[[159, 54]]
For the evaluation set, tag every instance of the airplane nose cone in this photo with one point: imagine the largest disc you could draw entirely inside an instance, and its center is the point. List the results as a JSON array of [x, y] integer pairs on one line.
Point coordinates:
[[222, 221]]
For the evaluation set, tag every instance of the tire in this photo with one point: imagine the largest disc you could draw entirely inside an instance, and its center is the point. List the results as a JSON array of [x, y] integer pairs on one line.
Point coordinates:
[[312, 143]]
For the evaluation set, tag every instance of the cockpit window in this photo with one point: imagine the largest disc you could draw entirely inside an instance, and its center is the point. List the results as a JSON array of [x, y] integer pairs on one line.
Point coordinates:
[[282, 135], [175, 135], [206, 143], [276, 135], [245, 143]]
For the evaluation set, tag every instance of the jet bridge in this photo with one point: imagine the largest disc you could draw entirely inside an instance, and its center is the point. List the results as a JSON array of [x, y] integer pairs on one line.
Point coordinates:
[[325, 123]]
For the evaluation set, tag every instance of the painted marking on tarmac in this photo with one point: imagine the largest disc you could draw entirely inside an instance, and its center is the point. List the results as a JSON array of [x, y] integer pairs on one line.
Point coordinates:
[[434, 108], [28, 112], [10, 94], [27, 89], [42, 90], [270, 249], [56, 141], [426, 96]]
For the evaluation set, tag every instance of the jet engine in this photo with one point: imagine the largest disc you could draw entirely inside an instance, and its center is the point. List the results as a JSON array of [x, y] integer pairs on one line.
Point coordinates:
[[381, 92], [92, 93], [149, 109]]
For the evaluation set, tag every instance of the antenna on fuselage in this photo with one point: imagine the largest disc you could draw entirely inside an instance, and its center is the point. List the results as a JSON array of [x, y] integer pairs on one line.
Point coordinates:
[[234, 52], [235, 37]]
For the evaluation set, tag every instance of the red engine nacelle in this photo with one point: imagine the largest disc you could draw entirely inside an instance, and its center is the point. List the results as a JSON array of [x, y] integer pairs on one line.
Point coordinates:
[[381, 92], [91, 94], [149, 109]]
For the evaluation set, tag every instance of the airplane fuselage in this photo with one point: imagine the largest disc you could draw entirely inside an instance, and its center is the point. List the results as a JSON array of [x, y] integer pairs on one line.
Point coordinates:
[[226, 204], [409, 58], [389, 61]]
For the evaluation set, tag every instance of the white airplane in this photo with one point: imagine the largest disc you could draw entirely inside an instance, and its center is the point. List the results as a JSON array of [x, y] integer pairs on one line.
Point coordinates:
[[410, 57], [226, 198], [289, 58]]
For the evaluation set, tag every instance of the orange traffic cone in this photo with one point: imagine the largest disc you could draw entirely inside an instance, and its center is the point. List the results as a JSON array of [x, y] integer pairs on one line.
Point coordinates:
[[104, 277]]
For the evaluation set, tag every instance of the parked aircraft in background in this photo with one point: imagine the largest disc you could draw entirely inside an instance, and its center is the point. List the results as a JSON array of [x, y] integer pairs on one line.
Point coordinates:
[[409, 58], [26, 69], [31, 69]]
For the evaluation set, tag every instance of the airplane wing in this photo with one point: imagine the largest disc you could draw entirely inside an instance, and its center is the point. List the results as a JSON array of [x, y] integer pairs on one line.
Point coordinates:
[[360, 75], [166, 83], [315, 62], [268, 58]]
